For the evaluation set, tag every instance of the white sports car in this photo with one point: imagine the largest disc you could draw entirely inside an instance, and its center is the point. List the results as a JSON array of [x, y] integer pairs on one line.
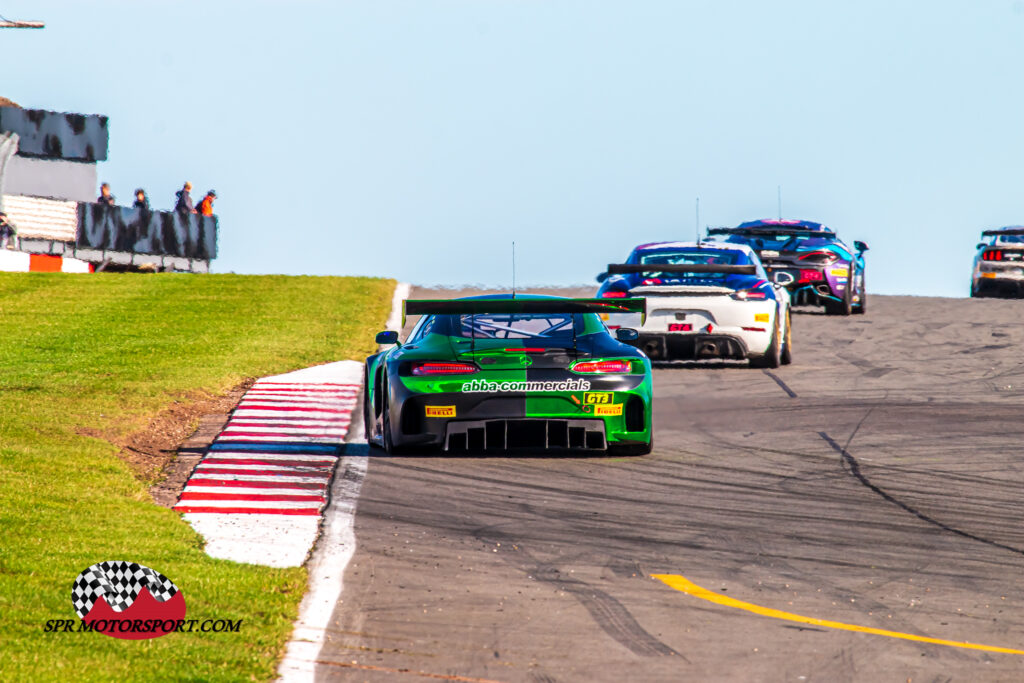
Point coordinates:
[[999, 263], [705, 300]]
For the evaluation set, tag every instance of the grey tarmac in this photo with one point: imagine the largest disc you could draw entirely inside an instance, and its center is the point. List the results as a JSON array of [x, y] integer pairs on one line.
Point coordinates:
[[876, 482]]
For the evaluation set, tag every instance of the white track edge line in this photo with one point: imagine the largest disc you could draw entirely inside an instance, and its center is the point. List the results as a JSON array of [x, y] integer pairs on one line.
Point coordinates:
[[334, 549]]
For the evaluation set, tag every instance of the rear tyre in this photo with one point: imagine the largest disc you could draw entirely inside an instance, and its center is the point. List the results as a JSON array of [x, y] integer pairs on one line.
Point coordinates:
[[862, 307], [845, 306], [389, 445], [787, 345], [772, 358], [367, 423]]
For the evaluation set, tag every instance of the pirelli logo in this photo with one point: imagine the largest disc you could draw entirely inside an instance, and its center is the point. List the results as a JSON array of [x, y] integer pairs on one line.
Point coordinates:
[[440, 411], [761, 317], [607, 411]]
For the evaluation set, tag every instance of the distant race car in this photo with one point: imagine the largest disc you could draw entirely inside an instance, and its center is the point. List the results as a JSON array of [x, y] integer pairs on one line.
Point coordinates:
[[497, 373], [999, 263], [807, 258], [705, 300]]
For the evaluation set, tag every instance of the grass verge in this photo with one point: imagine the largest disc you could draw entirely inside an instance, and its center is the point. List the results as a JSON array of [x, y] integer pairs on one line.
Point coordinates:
[[103, 354]]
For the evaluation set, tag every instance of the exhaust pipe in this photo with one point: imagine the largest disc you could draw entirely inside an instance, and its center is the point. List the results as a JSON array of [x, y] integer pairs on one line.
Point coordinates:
[[709, 349]]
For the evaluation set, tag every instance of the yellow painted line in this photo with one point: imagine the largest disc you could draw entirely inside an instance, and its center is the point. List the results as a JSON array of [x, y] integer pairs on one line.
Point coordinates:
[[681, 583]]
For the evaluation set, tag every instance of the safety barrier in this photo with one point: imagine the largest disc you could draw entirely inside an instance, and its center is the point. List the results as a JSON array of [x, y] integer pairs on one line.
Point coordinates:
[[137, 231]]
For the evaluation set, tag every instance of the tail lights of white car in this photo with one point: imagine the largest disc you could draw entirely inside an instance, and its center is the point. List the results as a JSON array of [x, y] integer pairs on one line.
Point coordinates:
[[992, 255], [602, 367], [433, 368], [612, 294], [749, 295]]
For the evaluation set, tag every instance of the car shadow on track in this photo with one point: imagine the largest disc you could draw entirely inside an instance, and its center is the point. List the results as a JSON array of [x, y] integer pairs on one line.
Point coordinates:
[[367, 450]]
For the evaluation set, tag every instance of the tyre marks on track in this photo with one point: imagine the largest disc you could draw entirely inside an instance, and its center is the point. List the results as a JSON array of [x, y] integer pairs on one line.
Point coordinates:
[[855, 470], [782, 385], [608, 613], [868, 368]]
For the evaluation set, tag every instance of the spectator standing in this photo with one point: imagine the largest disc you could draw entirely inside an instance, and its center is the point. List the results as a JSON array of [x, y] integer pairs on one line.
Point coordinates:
[[141, 200], [105, 196], [206, 205], [7, 230], [184, 203]]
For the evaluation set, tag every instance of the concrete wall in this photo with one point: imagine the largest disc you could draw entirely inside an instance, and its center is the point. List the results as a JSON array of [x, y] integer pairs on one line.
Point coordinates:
[[57, 135], [57, 178], [22, 262], [122, 229]]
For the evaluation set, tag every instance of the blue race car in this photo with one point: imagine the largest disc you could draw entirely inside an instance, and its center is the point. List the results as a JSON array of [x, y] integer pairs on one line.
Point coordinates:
[[808, 259]]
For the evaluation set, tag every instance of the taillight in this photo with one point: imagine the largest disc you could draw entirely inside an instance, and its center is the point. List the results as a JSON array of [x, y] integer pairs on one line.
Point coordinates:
[[822, 257], [992, 255], [434, 368], [602, 366], [748, 294], [614, 295]]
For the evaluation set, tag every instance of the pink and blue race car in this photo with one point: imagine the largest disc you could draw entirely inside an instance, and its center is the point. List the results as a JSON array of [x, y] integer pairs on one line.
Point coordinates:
[[807, 258]]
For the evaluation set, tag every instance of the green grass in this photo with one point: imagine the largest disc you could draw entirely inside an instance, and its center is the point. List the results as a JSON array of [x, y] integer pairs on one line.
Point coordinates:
[[103, 354]]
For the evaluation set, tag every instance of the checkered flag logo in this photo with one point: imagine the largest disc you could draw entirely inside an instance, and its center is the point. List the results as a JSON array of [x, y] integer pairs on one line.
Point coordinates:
[[119, 583]]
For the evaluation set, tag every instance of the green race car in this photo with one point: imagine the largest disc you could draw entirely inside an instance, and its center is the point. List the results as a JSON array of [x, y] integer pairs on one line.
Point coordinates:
[[511, 373]]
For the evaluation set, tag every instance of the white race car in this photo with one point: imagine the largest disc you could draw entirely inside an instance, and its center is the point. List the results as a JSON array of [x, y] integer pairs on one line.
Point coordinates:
[[999, 263], [705, 300]]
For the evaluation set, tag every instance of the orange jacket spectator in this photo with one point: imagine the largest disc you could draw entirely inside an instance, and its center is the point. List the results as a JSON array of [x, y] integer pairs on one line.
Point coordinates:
[[206, 206]]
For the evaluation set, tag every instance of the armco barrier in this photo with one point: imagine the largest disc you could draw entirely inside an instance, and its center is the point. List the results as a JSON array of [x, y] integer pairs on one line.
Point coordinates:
[[123, 229]]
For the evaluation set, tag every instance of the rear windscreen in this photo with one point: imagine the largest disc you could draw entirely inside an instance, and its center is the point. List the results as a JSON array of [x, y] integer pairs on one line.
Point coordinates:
[[782, 242], [697, 257], [721, 258], [516, 325]]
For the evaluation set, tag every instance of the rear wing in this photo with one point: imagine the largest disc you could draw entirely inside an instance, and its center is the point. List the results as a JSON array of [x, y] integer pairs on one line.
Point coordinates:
[[996, 233], [768, 230], [472, 306], [623, 268]]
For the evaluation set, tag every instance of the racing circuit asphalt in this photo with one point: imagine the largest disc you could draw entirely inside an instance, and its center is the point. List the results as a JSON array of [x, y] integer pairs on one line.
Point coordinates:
[[877, 482]]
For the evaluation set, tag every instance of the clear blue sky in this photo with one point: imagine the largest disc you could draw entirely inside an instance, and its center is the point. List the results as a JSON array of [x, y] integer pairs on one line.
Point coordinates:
[[418, 139]]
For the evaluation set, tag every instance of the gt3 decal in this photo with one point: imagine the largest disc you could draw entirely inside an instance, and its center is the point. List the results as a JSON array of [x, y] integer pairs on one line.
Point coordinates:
[[440, 411], [761, 317], [597, 397]]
